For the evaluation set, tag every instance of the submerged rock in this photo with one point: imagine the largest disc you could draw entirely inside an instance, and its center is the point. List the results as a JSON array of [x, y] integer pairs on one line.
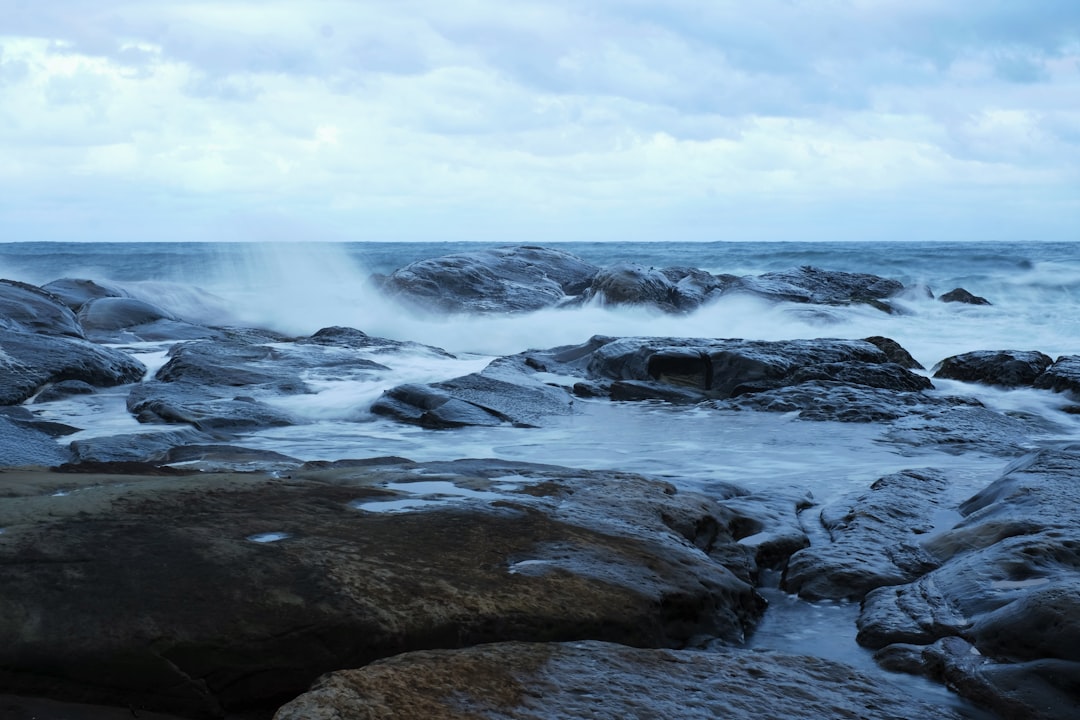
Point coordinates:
[[208, 594], [960, 295], [519, 681], [1005, 368], [508, 279]]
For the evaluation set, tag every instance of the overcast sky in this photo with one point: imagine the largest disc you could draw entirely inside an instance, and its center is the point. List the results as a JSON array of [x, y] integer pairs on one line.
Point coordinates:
[[540, 121]]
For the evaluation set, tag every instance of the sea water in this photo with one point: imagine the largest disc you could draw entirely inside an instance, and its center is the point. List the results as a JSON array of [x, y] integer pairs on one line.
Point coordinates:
[[298, 288]]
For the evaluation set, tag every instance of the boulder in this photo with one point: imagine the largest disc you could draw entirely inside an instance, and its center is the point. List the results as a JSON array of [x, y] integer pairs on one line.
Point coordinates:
[[508, 279], [209, 594], [1062, 376], [673, 290], [76, 292], [960, 295], [22, 445], [1004, 368], [126, 319], [605, 681], [63, 390], [727, 368], [30, 309], [821, 287], [205, 407], [30, 362], [1008, 586], [871, 540], [506, 392]]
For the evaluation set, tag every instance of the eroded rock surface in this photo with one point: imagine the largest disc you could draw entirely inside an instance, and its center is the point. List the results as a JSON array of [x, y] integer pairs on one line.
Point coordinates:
[[212, 593], [523, 681], [1005, 368], [1008, 585], [509, 279]]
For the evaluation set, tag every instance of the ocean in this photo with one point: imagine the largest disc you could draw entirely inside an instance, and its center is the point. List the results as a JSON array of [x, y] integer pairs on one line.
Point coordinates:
[[298, 288]]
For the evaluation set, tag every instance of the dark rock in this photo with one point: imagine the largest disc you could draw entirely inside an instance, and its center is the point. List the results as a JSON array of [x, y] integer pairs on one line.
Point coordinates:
[[895, 352], [961, 295], [30, 309], [1062, 376], [822, 287], [827, 400], [231, 364], [506, 392], [959, 425], [726, 368], [63, 390], [767, 524], [22, 445], [75, 292], [675, 289], [1034, 690], [1009, 585], [508, 279], [209, 594], [151, 447], [29, 362], [351, 338], [519, 681], [125, 319], [205, 407], [1005, 368], [873, 539]]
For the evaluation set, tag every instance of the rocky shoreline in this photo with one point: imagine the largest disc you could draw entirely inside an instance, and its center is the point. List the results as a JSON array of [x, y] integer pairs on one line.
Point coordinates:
[[177, 571]]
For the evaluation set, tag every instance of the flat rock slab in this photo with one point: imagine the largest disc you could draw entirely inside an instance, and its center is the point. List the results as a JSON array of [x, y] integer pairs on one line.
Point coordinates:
[[209, 594], [527, 681]]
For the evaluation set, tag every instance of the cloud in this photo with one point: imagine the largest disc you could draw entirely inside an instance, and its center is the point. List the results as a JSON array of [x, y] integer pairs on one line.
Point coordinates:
[[538, 120]]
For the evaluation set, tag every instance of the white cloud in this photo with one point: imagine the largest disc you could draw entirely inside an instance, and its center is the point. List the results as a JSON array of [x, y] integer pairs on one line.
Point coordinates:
[[538, 120]]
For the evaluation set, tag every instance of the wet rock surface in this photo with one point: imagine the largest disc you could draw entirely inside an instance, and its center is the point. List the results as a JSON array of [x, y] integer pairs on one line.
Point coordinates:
[[600, 680], [1008, 586], [221, 593], [873, 539], [960, 295], [1006, 368], [1062, 376], [511, 279], [30, 362]]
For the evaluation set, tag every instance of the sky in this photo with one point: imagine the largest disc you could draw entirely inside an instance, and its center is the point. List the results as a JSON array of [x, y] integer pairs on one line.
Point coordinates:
[[523, 121]]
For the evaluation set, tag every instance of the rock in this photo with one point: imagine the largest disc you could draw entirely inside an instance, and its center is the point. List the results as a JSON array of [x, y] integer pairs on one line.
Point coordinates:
[[822, 287], [1008, 585], [1035, 690], [22, 445], [960, 295], [75, 292], [506, 392], [959, 425], [203, 406], [63, 390], [209, 594], [30, 309], [895, 352], [817, 400], [151, 447], [767, 524], [674, 290], [125, 319], [508, 279], [873, 539], [727, 368], [1062, 376], [30, 362], [519, 681], [1005, 368]]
